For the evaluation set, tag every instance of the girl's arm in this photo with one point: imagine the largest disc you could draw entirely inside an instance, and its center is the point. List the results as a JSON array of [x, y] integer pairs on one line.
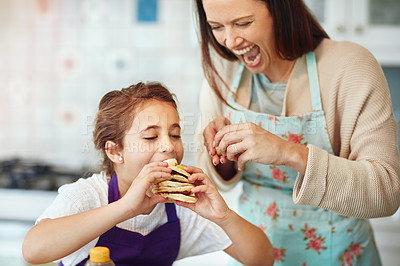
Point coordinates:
[[53, 239], [250, 245]]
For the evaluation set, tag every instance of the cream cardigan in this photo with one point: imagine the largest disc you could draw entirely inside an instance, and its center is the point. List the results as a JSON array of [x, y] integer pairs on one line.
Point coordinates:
[[361, 179]]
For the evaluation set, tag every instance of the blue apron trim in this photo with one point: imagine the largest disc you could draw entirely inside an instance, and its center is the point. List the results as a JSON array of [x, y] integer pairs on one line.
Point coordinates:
[[312, 75], [236, 81], [314, 82]]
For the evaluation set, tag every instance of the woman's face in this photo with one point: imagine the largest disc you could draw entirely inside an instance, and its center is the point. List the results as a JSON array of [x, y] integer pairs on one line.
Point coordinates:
[[245, 27], [155, 135]]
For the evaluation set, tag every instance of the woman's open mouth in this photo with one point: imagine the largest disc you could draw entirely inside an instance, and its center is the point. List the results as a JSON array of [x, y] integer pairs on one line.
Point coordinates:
[[251, 55]]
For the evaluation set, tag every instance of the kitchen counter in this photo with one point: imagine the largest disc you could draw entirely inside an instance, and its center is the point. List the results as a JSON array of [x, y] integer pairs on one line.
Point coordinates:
[[19, 210]]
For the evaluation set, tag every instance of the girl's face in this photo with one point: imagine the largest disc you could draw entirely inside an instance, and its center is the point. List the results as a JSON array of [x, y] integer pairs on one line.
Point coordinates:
[[245, 27], [155, 135]]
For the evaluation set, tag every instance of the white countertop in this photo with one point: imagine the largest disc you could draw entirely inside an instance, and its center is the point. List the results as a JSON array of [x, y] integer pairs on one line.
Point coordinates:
[[24, 205]]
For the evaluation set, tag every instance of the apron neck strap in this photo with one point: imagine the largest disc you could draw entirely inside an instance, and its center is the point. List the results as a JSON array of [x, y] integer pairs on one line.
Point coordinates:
[[113, 189], [171, 212], [236, 82], [113, 196], [312, 76], [314, 81]]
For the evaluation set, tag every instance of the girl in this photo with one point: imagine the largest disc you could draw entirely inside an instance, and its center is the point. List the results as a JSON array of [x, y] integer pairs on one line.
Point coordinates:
[[136, 129]]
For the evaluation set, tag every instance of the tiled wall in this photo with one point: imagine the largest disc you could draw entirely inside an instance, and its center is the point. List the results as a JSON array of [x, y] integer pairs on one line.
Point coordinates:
[[58, 58]]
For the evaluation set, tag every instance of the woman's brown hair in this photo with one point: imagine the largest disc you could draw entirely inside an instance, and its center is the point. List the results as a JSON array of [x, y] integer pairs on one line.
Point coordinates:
[[116, 113], [296, 33]]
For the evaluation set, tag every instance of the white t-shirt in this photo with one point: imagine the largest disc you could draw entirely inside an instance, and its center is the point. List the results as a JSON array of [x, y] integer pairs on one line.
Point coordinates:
[[198, 235]]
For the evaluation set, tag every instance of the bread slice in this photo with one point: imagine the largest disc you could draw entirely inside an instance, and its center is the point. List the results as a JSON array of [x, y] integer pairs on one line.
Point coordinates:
[[180, 197]]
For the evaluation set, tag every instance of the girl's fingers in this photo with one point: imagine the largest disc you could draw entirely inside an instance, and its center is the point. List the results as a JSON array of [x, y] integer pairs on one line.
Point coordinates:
[[188, 205], [155, 170], [192, 169], [155, 199], [154, 177], [155, 164], [149, 193], [200, 178], [159, 169], [199, 189]]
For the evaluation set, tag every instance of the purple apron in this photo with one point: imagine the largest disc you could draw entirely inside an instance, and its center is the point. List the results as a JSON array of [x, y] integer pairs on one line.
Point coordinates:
[[159, 247]]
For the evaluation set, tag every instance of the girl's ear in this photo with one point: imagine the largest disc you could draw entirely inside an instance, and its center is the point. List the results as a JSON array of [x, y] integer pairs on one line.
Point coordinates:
[[113, 153]]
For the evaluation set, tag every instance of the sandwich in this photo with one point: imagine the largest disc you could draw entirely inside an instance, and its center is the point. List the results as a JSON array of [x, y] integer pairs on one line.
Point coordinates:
[[177, 187]]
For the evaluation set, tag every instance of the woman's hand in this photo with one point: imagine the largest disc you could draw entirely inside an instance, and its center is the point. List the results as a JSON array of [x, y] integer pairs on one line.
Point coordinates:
[[248, 142], [210, 203], [209, 135], [139, 199]]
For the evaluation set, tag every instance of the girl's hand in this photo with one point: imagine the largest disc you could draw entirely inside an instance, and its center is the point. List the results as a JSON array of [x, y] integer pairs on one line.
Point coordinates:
[[249, 142], [210, 203], [209, 134], [139, 199]]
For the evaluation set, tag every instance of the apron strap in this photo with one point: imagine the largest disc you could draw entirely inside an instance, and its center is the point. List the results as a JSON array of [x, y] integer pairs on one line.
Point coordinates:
[[113, 196], [314, 81], [236, 81], [171, 212], [113, 189]]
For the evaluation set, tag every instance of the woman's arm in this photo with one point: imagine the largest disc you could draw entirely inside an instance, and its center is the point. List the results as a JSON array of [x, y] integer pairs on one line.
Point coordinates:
[[362, 178]]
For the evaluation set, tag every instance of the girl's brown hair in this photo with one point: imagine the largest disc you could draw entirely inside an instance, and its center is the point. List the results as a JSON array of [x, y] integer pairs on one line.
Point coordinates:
[[296, 33], [116, 113]]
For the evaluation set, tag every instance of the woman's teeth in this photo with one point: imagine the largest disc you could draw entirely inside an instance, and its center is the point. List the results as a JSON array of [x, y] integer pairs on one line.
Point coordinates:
[[246, 54], [243, 51], [251, 62]]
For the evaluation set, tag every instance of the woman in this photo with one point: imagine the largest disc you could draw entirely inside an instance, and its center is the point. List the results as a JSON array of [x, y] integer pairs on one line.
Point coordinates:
[[305, 122]]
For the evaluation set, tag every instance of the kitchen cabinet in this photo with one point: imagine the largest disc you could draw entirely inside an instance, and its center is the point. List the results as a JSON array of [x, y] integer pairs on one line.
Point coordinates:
[[374, 24]]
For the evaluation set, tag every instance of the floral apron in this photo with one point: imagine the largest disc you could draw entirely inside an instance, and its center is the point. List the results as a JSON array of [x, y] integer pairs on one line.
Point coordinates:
[[301, 235]]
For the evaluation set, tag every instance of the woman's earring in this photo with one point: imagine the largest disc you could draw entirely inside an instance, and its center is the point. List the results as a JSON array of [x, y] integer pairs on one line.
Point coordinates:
[[120, 159]]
